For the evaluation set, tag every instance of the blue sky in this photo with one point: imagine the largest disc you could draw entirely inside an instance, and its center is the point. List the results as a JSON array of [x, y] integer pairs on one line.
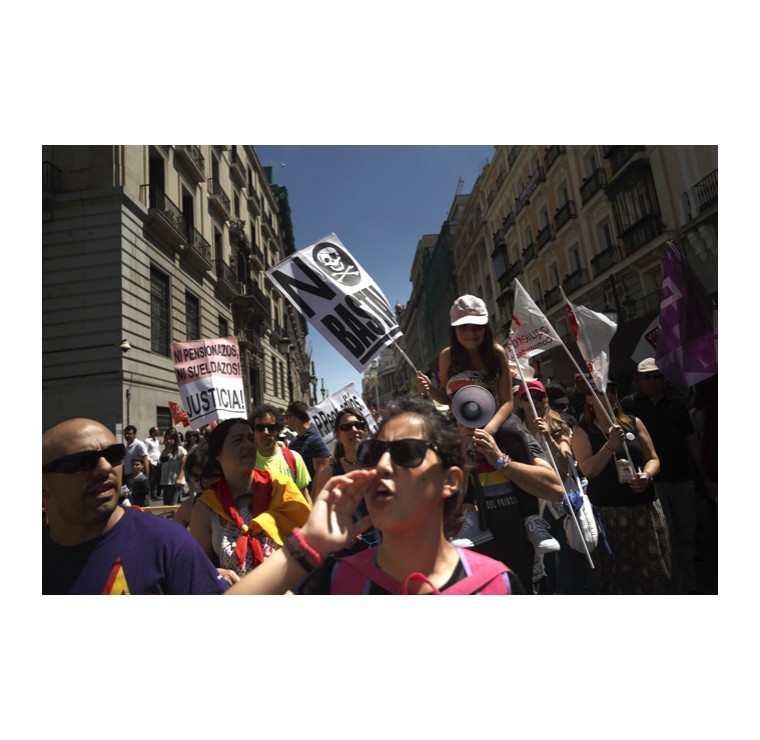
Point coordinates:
[[379, 200]]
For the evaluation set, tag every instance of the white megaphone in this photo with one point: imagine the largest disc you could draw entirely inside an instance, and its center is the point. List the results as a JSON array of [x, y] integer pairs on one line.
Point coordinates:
[[473, 406]]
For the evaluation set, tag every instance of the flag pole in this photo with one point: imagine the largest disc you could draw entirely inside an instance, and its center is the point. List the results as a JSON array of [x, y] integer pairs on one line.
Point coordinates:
[[404, 355], [545, 444], [603, 397]]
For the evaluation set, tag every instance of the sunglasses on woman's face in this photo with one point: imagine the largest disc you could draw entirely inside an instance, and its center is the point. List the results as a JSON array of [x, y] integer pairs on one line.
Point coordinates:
[[349, 425], [86, 460], [408, 453]]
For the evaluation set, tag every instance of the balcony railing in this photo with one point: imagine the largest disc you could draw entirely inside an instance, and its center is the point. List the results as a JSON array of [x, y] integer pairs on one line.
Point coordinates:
[[619, 155], [515, 269], [191, 154], [529, 253], [707, 191], [564, 213], [545, 236], [592, 185], [552, 152], [574, 280], [200, 249], [604, 260], [252, 297], [163, 206], [258, 255], [217, 195], [236, 166], [641, 233], [227, 276], [51, 179], [552, 296]]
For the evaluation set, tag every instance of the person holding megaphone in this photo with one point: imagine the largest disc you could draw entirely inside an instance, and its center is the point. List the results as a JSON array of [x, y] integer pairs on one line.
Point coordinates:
[[473, 359]]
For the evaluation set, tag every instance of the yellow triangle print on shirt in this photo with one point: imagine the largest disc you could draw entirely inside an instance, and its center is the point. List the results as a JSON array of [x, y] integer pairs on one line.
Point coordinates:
[[117, 582]]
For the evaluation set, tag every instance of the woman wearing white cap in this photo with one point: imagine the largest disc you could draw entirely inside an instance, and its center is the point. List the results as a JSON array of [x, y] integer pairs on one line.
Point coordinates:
[[473, 358]]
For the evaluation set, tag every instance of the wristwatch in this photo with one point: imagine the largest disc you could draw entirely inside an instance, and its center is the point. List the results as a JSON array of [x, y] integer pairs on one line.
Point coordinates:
[[502, 462]]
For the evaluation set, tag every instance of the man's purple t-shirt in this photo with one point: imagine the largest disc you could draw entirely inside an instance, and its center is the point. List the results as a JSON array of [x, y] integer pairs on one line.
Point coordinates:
[[141, 554]]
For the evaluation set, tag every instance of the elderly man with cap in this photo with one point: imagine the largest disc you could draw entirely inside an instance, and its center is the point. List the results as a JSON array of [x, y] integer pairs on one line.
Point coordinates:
[[670, 426], [90, 544]]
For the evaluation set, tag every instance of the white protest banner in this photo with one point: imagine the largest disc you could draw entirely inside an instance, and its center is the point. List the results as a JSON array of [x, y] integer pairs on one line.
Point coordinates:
[[531, 333], [323, 414], [210, 379], [593, 333], [332, 291]]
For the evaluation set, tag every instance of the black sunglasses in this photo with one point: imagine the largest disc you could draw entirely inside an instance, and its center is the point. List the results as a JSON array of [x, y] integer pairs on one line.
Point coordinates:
[[86, 460], [408, 453], [349, 425], [268, 427]]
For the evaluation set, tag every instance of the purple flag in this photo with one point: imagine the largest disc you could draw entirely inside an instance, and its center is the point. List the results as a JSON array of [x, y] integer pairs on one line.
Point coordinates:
[[687, 344]]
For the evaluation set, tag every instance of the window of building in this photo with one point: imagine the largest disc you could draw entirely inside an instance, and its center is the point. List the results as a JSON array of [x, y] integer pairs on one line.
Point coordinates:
[[237, 205], [604, 234], [574, 258], [164, 419], [590, 163], [159, 312], [218, 248], [274, 376], [282, 382], [224, 327], [192, 317], [633, 200]]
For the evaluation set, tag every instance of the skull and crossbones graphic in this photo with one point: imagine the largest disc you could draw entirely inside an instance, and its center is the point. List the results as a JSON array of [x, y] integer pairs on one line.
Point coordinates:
[[334, 263]]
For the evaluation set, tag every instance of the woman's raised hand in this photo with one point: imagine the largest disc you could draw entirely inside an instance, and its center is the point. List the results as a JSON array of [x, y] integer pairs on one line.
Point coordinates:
[[331, 525]]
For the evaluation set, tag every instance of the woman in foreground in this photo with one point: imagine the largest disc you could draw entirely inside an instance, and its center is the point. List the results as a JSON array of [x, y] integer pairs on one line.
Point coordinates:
[[412, 484]]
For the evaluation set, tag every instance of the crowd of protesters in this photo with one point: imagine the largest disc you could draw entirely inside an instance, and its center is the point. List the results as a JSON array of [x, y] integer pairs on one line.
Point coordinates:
[[429, 504]]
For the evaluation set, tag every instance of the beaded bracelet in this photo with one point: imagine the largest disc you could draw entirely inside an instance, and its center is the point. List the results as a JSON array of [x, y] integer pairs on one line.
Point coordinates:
[[611, 449], [307, 557]]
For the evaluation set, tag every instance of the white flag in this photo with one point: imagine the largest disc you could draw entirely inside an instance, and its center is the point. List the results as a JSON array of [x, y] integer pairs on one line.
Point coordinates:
[[592, 332], [339, 299], [531, 333], [647, 346]]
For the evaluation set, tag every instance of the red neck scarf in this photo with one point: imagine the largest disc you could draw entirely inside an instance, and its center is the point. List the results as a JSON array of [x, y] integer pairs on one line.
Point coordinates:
[[261, 485]]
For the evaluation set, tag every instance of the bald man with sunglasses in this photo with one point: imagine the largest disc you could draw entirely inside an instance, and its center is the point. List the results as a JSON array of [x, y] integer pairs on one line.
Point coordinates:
[[91, 544]]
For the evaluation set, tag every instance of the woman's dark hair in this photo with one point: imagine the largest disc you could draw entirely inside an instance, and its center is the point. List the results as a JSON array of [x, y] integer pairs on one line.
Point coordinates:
[[487, 352], [172, 434], [342, 414], [442, 431], [216, 442], [198, 457]]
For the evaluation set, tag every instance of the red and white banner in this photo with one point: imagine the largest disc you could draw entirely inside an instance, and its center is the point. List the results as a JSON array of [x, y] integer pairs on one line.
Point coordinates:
[[210, 379], [593, 333], [339, 299], [531, 333]]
